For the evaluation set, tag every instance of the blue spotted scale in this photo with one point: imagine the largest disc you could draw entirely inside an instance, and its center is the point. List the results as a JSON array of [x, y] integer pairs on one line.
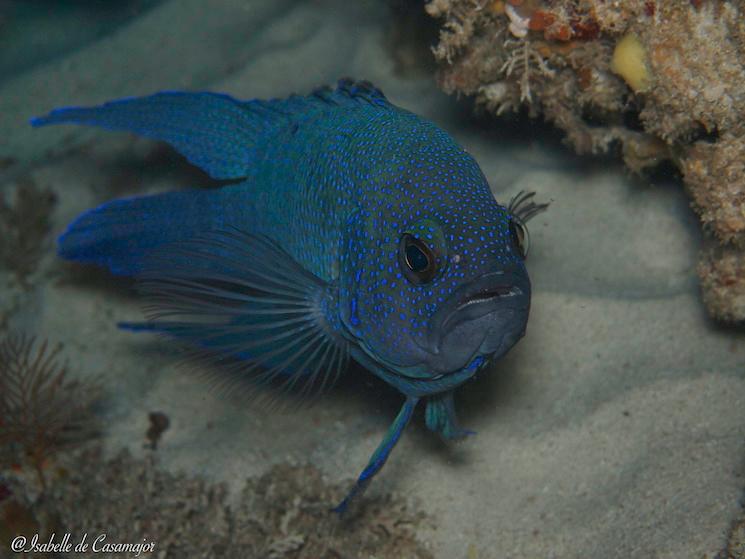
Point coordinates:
[[350, 229]]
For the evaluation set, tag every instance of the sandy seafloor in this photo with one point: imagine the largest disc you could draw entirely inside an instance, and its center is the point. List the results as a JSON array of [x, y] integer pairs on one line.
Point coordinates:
[[615, 429]]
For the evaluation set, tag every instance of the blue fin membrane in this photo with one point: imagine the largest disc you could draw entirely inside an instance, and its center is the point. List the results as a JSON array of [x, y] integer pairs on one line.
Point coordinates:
[[220, 134], [439, 416], [213, 131], [242, 302], [379, 457], [119, 234]]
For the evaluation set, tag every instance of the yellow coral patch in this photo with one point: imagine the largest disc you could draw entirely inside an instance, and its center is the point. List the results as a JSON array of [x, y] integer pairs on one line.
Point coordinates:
[[630, 62]]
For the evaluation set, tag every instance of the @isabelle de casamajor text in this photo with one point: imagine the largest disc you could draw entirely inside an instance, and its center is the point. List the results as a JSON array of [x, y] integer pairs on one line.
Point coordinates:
[[86, 543]]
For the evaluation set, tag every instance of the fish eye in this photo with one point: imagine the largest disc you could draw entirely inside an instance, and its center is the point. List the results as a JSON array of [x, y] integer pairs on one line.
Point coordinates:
[[417, 260], [520, 236]]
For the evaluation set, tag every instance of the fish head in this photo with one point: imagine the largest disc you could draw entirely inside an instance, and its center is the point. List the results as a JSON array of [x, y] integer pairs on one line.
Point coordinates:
[[432, 295]]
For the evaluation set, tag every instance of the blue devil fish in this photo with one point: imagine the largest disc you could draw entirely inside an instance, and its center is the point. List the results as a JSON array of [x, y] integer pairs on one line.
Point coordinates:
[[351, 229]]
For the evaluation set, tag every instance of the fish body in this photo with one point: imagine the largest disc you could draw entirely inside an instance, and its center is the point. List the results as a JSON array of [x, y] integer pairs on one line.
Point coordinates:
[[354, 228]]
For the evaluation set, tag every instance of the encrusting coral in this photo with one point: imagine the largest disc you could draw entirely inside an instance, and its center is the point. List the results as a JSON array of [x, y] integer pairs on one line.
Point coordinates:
[[722, 271], [662, 79]]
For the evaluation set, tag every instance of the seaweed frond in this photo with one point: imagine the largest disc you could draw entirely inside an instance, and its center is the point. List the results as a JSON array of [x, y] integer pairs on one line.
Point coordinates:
[[42, 410]]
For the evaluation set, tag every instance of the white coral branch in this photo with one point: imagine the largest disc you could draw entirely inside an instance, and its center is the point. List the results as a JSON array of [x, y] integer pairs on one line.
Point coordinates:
[[521, 56]]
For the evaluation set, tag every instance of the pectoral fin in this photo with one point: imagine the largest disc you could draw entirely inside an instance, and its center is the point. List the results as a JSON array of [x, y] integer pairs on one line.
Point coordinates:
[[240, 300]]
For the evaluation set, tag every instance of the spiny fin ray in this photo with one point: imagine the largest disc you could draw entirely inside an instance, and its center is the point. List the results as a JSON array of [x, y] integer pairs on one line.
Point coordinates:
[[254, 307]]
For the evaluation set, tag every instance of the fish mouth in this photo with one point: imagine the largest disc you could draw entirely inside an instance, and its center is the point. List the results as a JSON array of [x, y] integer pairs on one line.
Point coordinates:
[[477, 305], [493, 292], [480, 320]]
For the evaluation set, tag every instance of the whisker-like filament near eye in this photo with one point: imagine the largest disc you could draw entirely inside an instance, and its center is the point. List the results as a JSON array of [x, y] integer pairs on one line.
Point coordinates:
[[524, 207]]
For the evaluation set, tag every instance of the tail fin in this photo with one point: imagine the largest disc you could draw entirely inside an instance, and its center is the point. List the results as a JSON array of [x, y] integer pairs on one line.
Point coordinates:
[[119, 234]]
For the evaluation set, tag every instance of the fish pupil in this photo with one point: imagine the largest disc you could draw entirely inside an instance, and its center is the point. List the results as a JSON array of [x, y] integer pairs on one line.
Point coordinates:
[[416, 259]]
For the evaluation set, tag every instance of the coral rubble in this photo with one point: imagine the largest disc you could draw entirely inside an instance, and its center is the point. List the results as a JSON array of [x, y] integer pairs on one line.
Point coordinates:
[[660, 80], [283, 514]]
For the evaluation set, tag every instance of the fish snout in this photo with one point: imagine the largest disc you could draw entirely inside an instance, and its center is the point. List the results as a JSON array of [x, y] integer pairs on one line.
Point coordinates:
[[483, 317]]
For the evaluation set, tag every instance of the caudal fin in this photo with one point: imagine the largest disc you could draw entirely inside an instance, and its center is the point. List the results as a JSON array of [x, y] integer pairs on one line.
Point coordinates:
[[120, 234]]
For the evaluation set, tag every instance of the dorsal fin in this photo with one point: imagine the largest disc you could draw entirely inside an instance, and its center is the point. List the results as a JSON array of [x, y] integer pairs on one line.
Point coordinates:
[[214, 132], [220, 134], [356, 91]]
